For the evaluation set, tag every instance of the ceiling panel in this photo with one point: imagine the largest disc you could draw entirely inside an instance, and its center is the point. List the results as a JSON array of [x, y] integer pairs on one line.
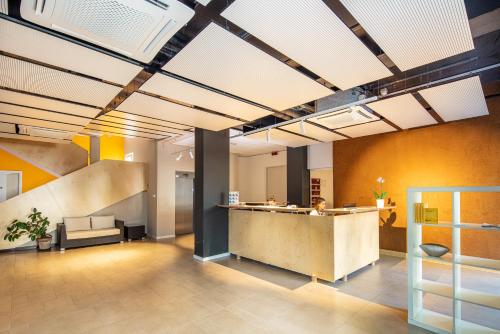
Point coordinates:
[[98, 133], [142, 125], [283, 138], [245, 146], [457, 100], [41, 114], [308, 32], [113, 130], [367, 129], [153, 107], [115, 114], [37, 45], [39, 123], [49, 104], [182, 91], [33, 138], [417, 32], [220, 59], [404, 111], [134, 128], [313, 131], [7, 128], [28, 77], [4, 7]]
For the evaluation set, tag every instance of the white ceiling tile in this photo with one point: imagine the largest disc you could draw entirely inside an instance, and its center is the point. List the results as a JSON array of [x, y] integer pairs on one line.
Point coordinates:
[[33, 138], [245, 146], [204, 2], [45, 48], [7, 128], [14, 110], [219, 59], [308, 32], [4, 7], [133, 127], [148, 106], [140, 125], [29, 77], [113, 130], [417, 32], [313, 131], [39, 123], [115, 114], [404, 111], [457, 100], [283, 138], [367, 129], [182, 91], [49, 104]]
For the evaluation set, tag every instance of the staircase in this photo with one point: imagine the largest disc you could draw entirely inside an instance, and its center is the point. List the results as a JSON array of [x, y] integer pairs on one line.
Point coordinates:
[[80, 193]]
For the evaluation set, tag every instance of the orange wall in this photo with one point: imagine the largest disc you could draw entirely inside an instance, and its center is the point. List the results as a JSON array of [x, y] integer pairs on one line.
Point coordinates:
[[32, 176], [84, 142], [464, 153], [112, 147]]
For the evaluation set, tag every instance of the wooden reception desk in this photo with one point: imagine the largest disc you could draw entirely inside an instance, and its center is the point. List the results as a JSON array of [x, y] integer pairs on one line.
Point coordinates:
[[327, 247]]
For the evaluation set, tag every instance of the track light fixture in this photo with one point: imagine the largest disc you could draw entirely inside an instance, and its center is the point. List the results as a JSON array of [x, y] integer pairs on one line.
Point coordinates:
[[191, 154], [268, 135], [179, 157], [302, 128]]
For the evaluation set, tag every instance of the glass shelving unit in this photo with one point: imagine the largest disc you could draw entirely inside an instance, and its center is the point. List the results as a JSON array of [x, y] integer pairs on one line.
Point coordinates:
[[417, 286]]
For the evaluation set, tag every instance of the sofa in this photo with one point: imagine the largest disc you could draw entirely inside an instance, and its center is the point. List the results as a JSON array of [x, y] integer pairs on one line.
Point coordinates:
[[89, 231]]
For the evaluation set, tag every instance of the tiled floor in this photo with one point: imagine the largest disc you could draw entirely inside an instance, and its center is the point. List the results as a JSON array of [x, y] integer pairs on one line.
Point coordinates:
[[147, 287]]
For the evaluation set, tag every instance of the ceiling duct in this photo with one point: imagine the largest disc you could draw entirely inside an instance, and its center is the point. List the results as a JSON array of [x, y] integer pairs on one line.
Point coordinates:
[[33, 131], [136, 29]]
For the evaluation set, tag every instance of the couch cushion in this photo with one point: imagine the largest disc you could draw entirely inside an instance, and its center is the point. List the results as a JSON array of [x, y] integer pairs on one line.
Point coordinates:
[[99, 222], [103, 232], [77, 224]]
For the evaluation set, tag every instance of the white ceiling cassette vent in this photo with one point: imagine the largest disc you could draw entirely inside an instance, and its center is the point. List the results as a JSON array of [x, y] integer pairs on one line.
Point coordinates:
[[345, 117], [34, 131], [135, 28]]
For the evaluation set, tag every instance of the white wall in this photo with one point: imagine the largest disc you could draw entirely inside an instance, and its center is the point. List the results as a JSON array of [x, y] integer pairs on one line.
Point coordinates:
[[320, 156], [166, 167], [233, 172], [251, 175]]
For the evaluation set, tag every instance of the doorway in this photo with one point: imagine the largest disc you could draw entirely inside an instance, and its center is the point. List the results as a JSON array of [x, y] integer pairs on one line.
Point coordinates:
[[276, 183], [10, 184], [184, 202]]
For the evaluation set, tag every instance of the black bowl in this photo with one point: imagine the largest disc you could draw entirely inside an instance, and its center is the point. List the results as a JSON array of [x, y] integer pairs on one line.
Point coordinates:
[[434, 250]]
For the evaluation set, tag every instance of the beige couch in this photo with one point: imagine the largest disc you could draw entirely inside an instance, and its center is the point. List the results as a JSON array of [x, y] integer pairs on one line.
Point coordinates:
[[89, 231]]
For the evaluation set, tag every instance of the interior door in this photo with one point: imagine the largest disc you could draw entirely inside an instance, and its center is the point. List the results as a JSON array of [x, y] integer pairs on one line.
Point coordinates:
[[276, 183], [183, 203]]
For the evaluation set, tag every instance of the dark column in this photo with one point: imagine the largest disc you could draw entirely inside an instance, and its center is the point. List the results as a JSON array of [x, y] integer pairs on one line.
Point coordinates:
[[297, 176], [211, 187]]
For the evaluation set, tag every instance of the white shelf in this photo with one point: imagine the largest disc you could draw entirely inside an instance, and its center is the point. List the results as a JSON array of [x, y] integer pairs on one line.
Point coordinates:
[[443, 324], [471, 226], [465, 295], [471, 261]]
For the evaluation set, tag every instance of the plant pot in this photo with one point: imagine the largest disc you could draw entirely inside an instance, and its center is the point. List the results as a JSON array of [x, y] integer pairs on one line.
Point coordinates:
[[380, 203], [44, 243]]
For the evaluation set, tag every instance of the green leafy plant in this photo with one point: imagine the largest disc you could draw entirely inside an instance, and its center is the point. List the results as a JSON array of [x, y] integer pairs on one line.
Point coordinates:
[[380, 194], [35, 227]]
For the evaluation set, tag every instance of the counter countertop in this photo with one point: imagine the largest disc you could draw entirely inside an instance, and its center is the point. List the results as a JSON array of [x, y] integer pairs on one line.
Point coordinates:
[[304, 210]]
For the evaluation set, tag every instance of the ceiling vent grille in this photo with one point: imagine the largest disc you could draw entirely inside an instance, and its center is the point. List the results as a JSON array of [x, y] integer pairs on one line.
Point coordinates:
[[4, 7], [44, 132], [136, 29], [346, 117]]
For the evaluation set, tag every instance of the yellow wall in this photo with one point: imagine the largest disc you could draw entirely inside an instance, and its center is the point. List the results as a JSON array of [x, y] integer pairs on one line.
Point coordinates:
[[32, 176], [112, 148], [84, 142]]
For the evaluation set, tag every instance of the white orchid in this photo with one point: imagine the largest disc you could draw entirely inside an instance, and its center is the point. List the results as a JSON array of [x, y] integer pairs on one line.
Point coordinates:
[[381, 194], [380, 180]]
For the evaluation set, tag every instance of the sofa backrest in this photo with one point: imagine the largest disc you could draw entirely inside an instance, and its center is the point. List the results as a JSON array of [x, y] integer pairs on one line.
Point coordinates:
[[77, 224], [100, 222]]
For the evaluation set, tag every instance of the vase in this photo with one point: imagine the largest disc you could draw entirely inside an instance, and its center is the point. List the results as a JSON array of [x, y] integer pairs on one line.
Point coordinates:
[[44, 243], [380, 203]]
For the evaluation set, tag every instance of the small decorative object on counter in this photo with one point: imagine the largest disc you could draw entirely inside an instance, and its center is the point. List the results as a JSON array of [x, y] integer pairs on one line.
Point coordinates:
[[381, 195], [435, 250], [234, 197]]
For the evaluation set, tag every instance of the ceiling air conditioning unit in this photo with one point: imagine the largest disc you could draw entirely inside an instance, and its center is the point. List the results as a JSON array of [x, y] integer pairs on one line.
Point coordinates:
[[33, 131], [135, 28], [346, 117]]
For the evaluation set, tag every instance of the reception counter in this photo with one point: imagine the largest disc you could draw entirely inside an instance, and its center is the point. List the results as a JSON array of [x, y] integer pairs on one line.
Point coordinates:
[[326, 247]]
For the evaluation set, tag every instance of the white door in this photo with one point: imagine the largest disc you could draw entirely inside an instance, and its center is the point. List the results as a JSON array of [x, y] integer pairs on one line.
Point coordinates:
[[276, 183], [3, 187]]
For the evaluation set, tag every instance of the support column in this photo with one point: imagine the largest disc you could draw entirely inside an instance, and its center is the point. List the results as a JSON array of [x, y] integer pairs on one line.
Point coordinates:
[[297, 177], [211, 188], [95, 149]]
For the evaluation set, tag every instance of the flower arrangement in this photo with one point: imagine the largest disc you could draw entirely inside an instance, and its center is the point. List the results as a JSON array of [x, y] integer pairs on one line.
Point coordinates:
[[381, 194]]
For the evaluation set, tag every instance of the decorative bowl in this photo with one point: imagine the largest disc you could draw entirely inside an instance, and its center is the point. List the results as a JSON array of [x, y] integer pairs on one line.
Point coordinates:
[[435, 250]]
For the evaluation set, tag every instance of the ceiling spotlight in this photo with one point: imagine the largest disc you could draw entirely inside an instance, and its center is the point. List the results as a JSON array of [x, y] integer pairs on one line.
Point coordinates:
[[302, 128], [179, 157], [383, 91], [268, 135], [191, 154]]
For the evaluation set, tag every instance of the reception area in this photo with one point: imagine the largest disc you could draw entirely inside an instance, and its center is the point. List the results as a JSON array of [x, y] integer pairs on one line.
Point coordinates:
[[249, 166]]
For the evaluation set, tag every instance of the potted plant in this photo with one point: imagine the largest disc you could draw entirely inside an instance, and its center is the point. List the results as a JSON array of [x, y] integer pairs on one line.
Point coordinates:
[[381, 195], [35, 228]]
